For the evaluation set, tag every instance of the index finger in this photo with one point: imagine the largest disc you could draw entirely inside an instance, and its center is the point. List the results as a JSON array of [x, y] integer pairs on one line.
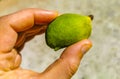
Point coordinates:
[[26, 18], [21, 21]]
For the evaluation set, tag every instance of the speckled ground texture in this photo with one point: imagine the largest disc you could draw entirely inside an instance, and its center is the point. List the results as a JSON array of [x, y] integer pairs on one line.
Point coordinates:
[[102, 61]]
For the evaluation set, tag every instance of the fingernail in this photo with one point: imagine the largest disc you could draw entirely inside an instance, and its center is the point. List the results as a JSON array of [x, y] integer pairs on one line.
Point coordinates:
[[85, 48]]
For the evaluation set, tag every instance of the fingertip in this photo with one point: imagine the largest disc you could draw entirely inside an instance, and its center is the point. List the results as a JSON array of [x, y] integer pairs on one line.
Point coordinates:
[[77, 50], [83, 42], [85, 45], [53, 13], [45, 16]]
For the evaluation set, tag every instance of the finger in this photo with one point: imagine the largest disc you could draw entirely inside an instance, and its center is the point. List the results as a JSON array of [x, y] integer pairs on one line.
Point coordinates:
[[67, 64], [21, 21], [28, 35], [26, 18]]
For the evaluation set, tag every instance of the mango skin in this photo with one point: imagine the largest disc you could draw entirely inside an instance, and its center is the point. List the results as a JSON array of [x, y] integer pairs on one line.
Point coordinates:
[[67, 29]]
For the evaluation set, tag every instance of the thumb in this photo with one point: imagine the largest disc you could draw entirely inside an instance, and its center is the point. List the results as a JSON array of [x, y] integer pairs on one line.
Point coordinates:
[[68, 63]]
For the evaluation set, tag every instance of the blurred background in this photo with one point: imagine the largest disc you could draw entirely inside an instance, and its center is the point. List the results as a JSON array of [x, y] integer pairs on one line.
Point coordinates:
[[102, 61]]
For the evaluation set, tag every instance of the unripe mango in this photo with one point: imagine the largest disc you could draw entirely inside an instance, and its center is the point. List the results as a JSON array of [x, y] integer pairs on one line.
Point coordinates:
[[68, 29]]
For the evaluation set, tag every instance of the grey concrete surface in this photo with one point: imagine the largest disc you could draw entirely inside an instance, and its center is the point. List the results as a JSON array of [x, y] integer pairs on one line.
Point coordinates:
[[102, 61]]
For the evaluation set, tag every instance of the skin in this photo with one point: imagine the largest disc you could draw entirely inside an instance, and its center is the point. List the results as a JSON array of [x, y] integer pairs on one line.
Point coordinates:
[[18, 28]]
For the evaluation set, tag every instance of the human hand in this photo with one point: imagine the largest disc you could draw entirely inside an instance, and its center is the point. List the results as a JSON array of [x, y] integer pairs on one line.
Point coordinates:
[[19, 27]]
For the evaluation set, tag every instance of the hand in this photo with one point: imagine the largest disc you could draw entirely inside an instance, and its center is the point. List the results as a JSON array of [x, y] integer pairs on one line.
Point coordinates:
[[19, 27]]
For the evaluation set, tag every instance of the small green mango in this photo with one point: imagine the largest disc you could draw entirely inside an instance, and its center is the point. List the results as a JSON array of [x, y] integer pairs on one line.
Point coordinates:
[[68, 29]]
